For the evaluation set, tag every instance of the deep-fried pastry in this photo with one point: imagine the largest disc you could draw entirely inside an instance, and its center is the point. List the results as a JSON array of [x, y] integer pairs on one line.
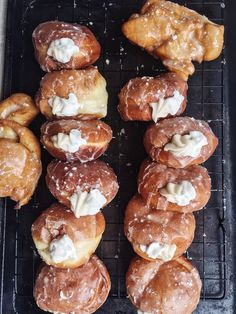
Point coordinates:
[[76, 140], [182, 190], [77, 94], [175, 34], [19, 162], [153, 98], [83, 187], [19, 108], [79, 290], [65, 241], [163, 288], [157, 234], [61, 45], [180, 142]]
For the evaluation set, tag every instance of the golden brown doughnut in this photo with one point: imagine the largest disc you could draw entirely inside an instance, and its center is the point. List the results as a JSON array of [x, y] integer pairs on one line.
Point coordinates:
[[19, 162], [73, 94], [79, 290], [153, 98], [180, 142], [18, 107], [64, 241], [182, 190], [175, 34], [61, 45], [83, 187], [156, 287], [76, 140], [157, 234]]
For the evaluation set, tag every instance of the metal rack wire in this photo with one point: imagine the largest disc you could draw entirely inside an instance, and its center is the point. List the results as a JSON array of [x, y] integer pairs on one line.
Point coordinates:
[[119, 62]]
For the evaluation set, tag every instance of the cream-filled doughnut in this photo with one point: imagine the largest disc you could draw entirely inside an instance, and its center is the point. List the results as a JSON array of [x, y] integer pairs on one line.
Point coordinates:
[[83, 187], [64, 241], [76, 140], [183, 190], [61, 45], [153, 98], [73, 94], [157, 234], [180, 142]]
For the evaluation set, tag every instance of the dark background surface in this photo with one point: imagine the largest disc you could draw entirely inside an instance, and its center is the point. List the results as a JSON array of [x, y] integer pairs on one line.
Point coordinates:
[[212, 93]]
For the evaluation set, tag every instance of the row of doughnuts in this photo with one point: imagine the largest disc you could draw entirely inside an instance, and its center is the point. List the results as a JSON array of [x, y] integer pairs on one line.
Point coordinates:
[[73, 98], [160, 225], [159, 220]]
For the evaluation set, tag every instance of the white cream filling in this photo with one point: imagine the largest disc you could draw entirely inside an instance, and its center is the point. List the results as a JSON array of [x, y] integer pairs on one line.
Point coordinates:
[[187, 145], [87, 203], [65, 107], [155, 250], [69, 142], [179, 193], [62, 49], [62, 249], [166, 106], [140, 312]]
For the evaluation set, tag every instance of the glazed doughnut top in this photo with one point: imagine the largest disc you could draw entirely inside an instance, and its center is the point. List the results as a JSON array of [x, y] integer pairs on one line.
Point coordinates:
[[163, 288], [80, 291], [175, 34]]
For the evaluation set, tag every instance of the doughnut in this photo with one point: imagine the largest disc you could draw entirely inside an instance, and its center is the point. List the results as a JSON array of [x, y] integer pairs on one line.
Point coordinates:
[[175, 34], [75, 140], [182, 190], [73, 94], [20, 162], [18, 107], [74, 290], [157, 234], [83, 187], [61, 45], [64, 241], [153, 98], [180, 142], [156, 287]]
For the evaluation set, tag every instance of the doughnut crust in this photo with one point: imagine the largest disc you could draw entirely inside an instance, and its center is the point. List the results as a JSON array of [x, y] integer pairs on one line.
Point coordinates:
[[87, 87], [18, 107], [20, 162], [137, 95], [154, 176], [79, 290], [56, 221], [88, 47], [160, 134], [96, 134], [160, 288], [63, 178], [144, 225], [175, 34]]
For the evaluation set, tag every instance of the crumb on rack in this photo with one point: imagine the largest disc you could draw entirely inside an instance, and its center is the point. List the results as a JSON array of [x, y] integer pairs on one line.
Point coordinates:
[[122, 131], [223, 61]]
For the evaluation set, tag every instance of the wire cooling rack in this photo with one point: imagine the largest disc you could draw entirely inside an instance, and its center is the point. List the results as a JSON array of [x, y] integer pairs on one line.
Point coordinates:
[[120, 61]]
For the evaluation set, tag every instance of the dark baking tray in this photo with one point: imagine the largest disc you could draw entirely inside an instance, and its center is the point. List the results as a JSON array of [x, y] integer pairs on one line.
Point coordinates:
[[208, 98]]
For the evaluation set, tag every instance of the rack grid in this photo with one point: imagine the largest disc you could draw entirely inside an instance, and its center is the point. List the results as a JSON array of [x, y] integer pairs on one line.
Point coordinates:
[[119, 62]]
